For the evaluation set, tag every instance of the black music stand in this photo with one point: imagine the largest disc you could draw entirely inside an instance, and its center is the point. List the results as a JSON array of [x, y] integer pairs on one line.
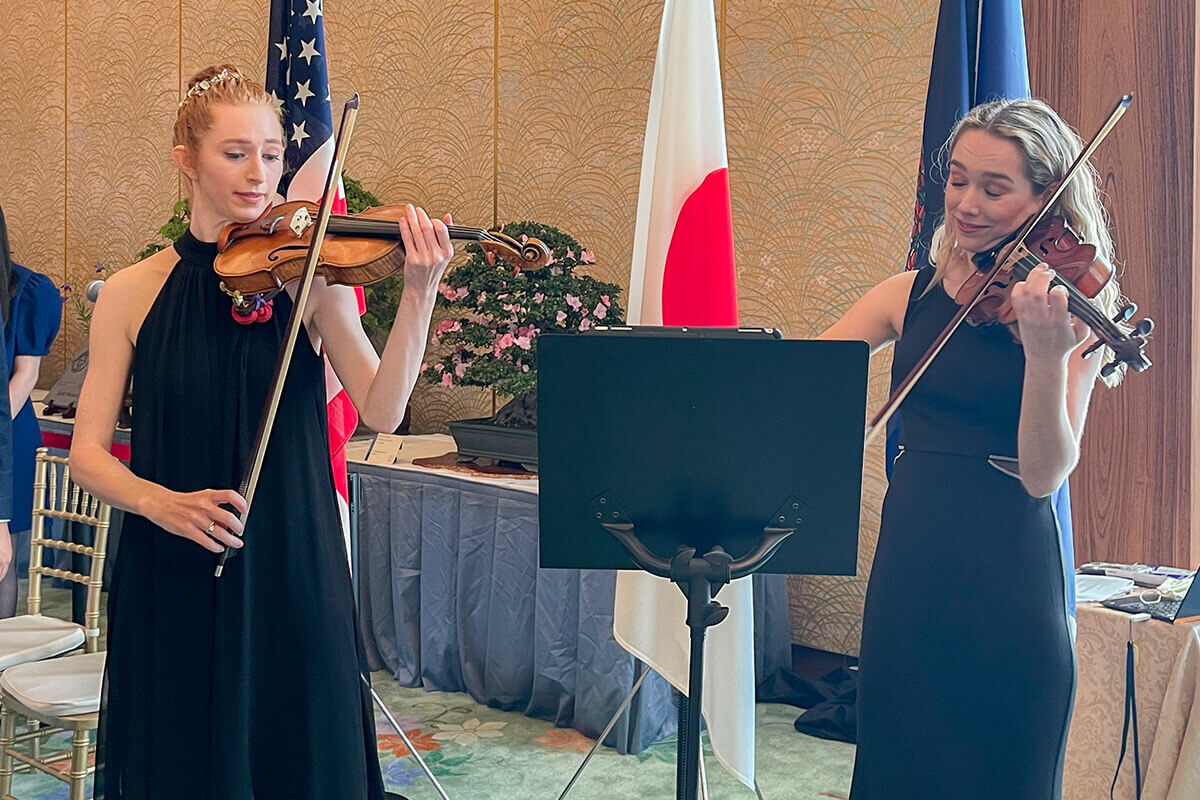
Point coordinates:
[[658, 444]]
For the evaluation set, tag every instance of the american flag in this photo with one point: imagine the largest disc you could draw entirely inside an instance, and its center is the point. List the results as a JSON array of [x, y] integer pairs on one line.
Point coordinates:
[[298, 79]]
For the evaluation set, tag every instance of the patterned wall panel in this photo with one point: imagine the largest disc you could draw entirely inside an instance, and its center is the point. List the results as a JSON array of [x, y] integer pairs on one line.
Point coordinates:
[[122, 78], [823, 110], [511, 109], [574, 89], [425, 131], [233, 31], [32, 110]]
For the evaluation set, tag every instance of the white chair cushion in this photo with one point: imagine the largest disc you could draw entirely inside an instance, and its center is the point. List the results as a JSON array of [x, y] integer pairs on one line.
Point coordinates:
[[61, 687], [33, 637]]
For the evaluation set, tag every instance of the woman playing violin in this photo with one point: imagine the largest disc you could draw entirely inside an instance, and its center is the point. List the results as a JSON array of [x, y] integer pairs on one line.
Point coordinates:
[[247, 686], [967, 669]]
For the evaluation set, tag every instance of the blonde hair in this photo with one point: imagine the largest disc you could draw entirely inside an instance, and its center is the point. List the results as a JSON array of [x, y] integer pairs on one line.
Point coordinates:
[[220, 83], [1048, 147]]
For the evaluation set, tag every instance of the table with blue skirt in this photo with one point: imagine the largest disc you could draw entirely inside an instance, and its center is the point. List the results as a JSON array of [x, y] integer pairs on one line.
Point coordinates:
[[451, 599]]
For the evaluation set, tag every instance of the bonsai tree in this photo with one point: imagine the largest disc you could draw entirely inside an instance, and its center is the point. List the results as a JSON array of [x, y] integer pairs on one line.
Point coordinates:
[[496, 314]]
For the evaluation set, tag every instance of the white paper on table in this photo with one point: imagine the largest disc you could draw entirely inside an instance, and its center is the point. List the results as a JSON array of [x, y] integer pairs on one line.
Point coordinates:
[[1094, 588]]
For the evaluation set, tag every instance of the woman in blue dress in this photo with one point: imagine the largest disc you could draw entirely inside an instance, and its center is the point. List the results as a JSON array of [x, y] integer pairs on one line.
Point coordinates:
[[32, 310]]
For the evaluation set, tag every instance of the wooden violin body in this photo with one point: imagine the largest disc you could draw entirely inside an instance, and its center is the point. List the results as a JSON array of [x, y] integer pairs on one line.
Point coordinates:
[[1051, 241], [257, 258]]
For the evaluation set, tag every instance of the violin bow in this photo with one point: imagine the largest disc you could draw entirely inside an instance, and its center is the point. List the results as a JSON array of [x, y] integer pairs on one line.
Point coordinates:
[[266, 422], [906, 386]]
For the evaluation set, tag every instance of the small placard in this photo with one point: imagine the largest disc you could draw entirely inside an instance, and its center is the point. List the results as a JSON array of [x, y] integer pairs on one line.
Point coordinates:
[[385, 449]]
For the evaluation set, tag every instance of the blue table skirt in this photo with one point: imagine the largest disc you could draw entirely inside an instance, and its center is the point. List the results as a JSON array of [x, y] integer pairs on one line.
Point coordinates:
[[451, 599]]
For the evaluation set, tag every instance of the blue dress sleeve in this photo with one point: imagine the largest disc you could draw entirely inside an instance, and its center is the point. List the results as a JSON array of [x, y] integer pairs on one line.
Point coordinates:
[[37, 312]]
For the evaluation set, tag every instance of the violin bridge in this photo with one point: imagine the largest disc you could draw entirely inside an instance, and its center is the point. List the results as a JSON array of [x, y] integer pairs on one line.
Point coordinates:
[[301, 221]]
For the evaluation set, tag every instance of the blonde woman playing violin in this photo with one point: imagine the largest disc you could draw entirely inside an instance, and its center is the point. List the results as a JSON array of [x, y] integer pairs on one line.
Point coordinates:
[[967, 670]]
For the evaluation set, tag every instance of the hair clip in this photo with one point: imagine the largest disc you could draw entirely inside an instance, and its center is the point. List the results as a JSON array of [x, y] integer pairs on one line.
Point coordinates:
[[206, 84]]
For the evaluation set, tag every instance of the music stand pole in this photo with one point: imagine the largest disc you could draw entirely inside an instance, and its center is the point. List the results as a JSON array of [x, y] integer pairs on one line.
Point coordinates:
[[699, 579]]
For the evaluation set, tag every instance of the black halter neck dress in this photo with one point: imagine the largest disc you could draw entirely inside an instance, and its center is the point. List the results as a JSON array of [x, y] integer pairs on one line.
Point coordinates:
[[244, 687]]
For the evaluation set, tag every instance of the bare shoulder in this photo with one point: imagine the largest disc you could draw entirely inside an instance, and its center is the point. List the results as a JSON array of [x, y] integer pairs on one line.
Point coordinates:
[[128, 294], [878, 316], [899, 285]]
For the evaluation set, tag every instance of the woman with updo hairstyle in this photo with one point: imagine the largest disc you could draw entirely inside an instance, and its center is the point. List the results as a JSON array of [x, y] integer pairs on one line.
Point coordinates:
[[248, 686], [967, 664]]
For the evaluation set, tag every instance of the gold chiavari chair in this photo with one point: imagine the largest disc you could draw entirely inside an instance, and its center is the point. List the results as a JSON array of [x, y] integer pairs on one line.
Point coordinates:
[[56, 693]]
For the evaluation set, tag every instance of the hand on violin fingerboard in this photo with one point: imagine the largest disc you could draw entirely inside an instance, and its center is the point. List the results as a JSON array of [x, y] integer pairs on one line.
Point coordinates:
[[427, 250], [1048, 331]]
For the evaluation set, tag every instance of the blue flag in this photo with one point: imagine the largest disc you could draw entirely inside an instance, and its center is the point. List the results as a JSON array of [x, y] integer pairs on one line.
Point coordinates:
[[978, 55]]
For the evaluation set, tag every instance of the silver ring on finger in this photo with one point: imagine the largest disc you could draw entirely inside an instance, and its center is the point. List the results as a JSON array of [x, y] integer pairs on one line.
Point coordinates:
[[211, 527]]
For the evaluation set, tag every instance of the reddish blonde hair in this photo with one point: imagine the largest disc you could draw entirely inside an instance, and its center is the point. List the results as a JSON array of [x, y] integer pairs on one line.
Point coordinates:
[[219, 83]]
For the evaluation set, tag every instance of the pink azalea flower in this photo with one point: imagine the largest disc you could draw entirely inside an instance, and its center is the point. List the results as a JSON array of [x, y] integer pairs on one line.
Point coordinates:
[[460, 370], [438, 367], [586, 257], [502, 343], [601, 311], [461, 292], [573, 302], [447, 326], [522, 342], [447, 379], [424, 367], [446, 292], [560, 317], [482, 297], [570, 253], [556, 271], [604, 299], [551, 260], [539, 297], [584, 324]]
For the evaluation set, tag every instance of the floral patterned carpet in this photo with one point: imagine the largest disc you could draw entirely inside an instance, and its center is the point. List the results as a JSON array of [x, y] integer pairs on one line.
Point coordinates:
[[480, 753]]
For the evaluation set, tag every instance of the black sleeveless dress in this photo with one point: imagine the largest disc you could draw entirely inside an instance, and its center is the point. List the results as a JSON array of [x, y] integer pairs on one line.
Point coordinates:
[[967, 668], [244, 687]]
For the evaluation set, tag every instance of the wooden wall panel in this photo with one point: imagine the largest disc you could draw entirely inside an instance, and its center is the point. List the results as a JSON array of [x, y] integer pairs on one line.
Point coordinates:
[[1134, 491], [122, 76], [32, 113]]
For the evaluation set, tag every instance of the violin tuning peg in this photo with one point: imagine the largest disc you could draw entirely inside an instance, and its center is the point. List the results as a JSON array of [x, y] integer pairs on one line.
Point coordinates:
[[1144, 327], [1096, 345], [1109, 368], [1125, 313]]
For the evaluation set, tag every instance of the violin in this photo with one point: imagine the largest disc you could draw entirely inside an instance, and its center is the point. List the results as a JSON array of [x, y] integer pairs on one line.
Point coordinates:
[[1052, 242], [255, 259]]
